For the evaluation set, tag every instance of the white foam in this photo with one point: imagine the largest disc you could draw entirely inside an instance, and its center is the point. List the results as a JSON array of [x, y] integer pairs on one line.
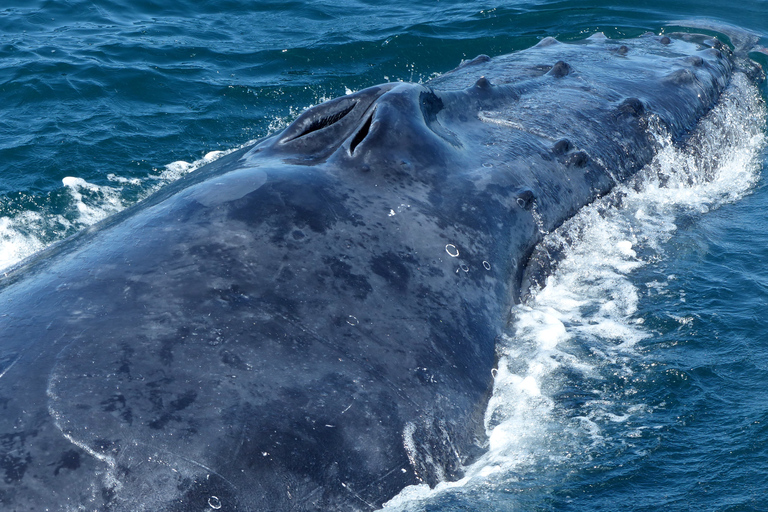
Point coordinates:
[[176, 170], [93, 202], [22, 234], [16, 242], [584, 320], [27, 232]]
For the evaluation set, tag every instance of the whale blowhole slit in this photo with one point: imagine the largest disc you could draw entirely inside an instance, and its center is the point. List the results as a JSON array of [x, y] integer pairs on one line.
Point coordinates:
[[361, 133], [325, 121], [431, 105]]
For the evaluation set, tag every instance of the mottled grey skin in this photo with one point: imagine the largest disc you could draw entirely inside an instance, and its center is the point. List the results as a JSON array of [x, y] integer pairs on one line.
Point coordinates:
[[309, 323]]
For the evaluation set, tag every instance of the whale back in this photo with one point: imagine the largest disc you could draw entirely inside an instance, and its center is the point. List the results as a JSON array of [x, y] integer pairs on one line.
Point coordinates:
[[309, 323]]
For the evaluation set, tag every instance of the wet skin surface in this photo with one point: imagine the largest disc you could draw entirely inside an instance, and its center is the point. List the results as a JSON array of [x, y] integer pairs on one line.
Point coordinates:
[[309, 323]]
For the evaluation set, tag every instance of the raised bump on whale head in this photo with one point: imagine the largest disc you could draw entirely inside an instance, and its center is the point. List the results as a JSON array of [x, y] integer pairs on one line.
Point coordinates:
[[560, 69]]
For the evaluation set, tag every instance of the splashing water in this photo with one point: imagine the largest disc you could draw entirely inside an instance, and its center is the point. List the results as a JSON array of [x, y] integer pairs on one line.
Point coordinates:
[[32, 223], [564, 383]]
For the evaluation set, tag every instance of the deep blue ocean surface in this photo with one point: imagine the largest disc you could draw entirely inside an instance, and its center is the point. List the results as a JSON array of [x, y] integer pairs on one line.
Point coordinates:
[[636, 380]]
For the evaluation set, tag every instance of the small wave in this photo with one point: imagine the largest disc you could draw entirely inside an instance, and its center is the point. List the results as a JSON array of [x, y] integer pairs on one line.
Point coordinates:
[[30, 224], [79, 204]]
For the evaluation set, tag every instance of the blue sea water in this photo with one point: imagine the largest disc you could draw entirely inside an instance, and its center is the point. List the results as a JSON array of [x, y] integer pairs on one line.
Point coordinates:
[[636, 380]]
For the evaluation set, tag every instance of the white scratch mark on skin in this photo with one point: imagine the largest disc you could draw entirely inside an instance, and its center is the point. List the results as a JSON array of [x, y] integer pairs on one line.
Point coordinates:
[[164, 456], [495, 118], [200, 464], [110, 461], [110, 478], [329, 204], [243, 436], [393, 470], [358, 496], [9, 367]]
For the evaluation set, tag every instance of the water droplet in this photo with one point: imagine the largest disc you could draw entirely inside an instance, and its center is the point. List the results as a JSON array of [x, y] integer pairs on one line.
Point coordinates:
[[214, 502], [486, 265], [352, 320], [464, 267], [451, 250]]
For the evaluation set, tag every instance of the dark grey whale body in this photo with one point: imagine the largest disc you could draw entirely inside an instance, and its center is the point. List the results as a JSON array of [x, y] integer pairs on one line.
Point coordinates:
[[309, 323]]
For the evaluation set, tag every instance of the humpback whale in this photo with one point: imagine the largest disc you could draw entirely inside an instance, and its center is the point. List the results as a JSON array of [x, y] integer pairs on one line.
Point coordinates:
[[309, 322]]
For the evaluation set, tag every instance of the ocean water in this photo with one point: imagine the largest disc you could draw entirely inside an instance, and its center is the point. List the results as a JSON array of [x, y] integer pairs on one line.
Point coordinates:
[[636, 379]]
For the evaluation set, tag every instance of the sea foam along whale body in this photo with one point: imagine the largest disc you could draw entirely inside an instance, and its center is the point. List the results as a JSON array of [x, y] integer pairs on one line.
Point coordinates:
[[309, 323]]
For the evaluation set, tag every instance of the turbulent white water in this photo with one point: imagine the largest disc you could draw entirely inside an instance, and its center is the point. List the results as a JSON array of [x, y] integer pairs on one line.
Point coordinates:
[[551, 403]]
